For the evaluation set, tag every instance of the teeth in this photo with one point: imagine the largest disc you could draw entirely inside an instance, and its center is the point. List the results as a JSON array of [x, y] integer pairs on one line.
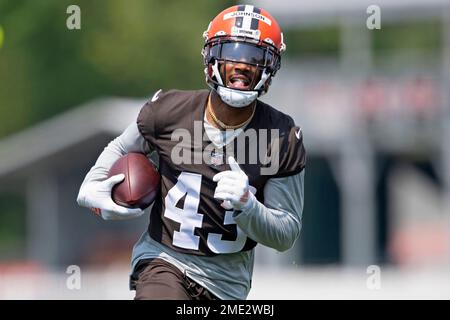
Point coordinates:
[[240, 81]]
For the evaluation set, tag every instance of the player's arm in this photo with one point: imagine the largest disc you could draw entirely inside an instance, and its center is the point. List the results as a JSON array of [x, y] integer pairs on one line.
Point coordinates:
[[277, 222], [95, 191]]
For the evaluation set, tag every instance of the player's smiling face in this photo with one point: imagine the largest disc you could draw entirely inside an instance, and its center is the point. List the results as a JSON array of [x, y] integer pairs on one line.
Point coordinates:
[[240, 76]]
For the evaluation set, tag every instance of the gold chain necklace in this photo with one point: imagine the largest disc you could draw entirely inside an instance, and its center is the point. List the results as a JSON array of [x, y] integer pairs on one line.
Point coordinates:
[[223, 125]]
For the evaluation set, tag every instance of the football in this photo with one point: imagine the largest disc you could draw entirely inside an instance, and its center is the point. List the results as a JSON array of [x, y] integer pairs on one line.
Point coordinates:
[[141, 183]]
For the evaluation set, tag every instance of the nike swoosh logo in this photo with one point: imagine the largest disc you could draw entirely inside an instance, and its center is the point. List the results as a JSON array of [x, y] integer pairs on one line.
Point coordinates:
[[297, 134], [156, 95]]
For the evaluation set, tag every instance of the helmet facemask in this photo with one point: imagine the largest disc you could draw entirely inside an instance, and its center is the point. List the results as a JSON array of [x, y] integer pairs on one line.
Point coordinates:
[[253, 62]]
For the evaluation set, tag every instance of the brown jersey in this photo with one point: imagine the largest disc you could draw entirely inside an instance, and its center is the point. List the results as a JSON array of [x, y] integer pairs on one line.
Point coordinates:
[[185, 215]]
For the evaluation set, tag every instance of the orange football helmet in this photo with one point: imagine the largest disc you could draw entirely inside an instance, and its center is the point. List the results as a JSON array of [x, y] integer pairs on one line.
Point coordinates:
[[242, 34]]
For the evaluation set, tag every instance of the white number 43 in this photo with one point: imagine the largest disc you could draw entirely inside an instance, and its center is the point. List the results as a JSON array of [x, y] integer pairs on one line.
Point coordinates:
[[189, 185]]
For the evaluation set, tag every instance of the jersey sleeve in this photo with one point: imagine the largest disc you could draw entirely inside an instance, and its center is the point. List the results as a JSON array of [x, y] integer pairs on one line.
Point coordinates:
[[149, 119], [292, 155]]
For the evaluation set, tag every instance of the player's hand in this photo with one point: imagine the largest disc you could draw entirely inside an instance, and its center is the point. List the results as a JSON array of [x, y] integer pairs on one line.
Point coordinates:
[[97, 197], [233, 187]]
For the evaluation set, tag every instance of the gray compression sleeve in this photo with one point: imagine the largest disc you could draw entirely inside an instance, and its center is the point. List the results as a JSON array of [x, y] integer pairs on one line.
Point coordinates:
[[277, 222]]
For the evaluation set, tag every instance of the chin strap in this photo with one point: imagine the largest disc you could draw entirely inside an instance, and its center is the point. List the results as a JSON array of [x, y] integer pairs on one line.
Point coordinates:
[[237, 98], [261, 82], [216, 73]]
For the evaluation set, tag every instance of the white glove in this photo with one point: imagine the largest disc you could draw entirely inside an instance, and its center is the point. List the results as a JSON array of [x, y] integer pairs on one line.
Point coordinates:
[[97, 196], [233, 188]]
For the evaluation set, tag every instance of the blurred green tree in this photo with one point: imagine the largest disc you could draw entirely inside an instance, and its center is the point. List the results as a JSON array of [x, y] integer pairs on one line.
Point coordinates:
[[124, 48]]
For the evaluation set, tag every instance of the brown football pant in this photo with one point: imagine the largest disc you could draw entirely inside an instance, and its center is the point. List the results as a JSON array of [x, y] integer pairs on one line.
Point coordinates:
[[157, 279]]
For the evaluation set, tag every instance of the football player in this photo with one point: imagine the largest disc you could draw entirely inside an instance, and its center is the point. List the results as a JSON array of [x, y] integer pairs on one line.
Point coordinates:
[[240, 184]]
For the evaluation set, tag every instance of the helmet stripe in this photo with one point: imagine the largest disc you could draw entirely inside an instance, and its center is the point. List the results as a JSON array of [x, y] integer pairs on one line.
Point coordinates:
[[239, 20], [255, 22], [247, 18]]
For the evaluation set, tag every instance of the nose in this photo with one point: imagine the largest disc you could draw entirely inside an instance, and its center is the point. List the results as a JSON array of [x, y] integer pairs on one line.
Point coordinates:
[[242, 66]]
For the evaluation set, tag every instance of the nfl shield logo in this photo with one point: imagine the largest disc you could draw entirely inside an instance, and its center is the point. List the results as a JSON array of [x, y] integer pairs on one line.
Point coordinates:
[[216, 158]]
